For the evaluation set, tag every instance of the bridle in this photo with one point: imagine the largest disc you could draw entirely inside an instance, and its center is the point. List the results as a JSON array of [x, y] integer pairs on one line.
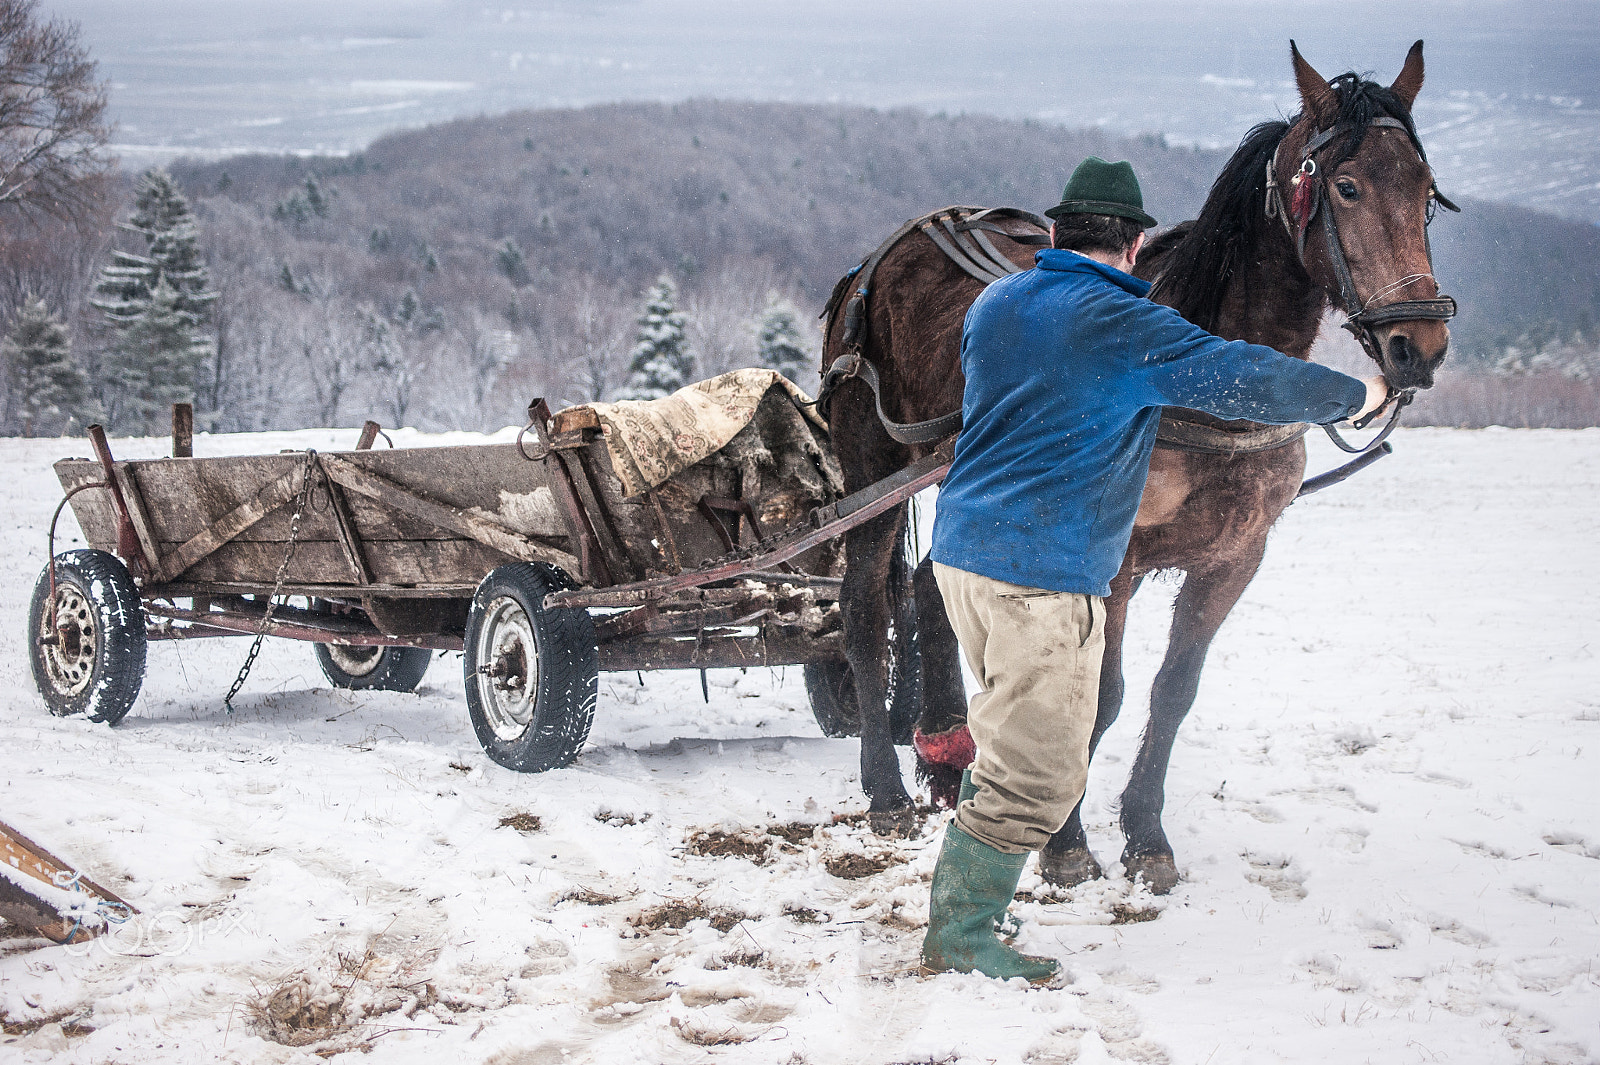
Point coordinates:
[[1306, 203]]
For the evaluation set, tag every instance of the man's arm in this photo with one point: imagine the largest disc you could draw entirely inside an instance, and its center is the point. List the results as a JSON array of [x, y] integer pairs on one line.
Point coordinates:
[[1182, 365]]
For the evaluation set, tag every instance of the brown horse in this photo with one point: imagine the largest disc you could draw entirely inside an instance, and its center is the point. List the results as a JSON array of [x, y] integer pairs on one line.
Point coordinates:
[[1329, 208]]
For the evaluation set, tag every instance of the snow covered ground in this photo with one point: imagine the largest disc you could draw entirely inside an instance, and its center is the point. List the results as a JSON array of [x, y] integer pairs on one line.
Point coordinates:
[[1384, 806]]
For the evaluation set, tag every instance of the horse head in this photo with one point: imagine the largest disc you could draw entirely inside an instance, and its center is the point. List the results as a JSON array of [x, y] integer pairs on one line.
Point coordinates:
[[1356, 194]]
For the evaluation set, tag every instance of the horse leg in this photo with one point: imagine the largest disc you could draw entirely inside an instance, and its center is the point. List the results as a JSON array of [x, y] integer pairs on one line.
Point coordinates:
[[1199, 611], [1067, 860], [943, 744], [867, 602]]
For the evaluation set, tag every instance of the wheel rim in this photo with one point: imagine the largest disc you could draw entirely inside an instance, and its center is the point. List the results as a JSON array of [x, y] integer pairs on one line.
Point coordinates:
[[507, 668], [69, 657], [356, 661]]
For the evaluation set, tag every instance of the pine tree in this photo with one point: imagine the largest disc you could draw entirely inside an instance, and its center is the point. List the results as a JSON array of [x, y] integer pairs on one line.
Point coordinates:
[[159, 360], [780, 347], [47, 388], [512, 262], [133, 390], [661, 362], [316, 199]]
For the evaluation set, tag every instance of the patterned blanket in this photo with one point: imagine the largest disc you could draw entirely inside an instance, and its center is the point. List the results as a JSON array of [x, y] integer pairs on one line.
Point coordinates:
[[650, 440]]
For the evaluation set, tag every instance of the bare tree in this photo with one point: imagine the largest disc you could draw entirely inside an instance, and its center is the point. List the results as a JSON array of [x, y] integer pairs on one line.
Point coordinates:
[[52, 114], [724, 311], [332, 347], [584, 338]]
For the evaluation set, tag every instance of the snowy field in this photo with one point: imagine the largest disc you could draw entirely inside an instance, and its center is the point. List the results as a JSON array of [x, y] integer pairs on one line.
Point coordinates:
[[1384, 806]]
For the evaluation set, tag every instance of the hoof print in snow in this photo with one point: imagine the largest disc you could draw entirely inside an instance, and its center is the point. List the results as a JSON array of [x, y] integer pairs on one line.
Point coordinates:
[[1572, 843], [678, 913], [1129, 913], [709, 1032], [905, 823], [858, 866], [805, 915], [1277, 875], [794, 833], [614, 819], [522, 822], [719, 844], [589, 897]]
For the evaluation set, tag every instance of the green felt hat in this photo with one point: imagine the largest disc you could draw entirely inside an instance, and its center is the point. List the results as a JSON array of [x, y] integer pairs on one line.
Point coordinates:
[[1099, 187]]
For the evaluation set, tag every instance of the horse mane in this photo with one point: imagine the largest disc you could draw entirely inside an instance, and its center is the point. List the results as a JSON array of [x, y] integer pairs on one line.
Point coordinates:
[[1200, 265]]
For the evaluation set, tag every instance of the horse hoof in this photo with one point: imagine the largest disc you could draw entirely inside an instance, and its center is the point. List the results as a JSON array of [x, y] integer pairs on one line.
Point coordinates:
[[1069, 869], [902, 822], [1159, 871]]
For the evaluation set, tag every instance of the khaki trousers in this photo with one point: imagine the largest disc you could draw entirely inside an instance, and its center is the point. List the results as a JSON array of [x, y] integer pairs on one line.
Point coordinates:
[[1036, 655]]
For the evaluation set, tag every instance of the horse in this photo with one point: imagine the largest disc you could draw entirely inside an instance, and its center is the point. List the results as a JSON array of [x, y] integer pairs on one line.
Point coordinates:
[[1327, 209]]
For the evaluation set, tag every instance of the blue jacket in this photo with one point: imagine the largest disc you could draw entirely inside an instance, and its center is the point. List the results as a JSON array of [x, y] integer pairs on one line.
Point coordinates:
[[1068, 366]]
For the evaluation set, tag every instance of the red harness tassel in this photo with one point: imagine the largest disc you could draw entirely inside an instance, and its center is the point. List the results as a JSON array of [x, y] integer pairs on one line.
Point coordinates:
[[1300, 202]]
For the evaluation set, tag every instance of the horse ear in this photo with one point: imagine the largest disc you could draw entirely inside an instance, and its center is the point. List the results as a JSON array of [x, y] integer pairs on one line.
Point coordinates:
[[1409, 83], [1318, 99]]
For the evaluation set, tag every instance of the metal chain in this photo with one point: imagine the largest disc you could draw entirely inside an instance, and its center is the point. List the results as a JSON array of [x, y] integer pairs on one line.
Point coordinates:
[[302, 500]]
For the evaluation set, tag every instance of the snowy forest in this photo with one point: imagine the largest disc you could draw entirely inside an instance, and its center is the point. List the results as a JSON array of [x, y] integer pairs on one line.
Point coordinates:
[[445, 276]]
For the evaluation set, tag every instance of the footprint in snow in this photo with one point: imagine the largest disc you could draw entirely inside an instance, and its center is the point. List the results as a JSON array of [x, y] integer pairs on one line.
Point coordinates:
[[1571, 842], [1118, 1027], [1456, 932], [1277, 874]]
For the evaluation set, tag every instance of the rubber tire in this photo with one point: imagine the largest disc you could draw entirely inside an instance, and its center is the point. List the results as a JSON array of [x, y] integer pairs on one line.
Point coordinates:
[[398, 669], [117, 660], [568, 662], [832, 686]]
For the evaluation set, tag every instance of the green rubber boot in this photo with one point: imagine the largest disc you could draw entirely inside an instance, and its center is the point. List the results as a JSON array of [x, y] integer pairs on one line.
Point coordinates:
[[972, 885], [1008, 925]]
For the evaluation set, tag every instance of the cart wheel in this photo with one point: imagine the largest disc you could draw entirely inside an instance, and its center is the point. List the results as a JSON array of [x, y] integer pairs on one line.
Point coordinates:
[[88, 648], [531, 673], [390, 669], [832, 686]]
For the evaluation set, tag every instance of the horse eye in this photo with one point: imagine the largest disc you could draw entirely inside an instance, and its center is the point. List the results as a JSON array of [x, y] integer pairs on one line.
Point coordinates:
[[1347, 189]]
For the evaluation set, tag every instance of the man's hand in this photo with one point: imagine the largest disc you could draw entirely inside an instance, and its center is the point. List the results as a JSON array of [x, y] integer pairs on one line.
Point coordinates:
[[1377, 397]]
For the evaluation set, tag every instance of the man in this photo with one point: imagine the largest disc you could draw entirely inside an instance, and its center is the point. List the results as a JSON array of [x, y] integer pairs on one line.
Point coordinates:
[[1067, 368]]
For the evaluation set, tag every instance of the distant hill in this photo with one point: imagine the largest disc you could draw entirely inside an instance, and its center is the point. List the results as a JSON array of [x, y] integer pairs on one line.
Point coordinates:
[[625, 191]]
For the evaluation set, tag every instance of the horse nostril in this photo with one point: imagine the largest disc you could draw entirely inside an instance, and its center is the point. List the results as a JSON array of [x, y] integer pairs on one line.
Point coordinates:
[[1401, 352]]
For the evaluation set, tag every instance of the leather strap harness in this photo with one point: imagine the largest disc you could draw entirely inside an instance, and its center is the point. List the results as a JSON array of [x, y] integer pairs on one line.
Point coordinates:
[[959, 232]]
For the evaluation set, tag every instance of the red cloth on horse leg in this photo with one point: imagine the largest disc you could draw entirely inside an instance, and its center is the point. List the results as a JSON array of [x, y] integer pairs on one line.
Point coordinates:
[[953, 747]]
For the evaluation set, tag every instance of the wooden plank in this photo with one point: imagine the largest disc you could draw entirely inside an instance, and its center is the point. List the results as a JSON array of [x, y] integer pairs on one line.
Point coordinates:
[[573, 419], [183, 430], [349, 539], [38, 911], [272, 495], [184, 496], [393, 562], [138, 515], [93, 509], [473, 526]]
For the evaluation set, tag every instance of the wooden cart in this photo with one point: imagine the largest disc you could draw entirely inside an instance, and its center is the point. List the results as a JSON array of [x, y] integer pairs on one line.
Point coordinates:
[[525, 556]]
